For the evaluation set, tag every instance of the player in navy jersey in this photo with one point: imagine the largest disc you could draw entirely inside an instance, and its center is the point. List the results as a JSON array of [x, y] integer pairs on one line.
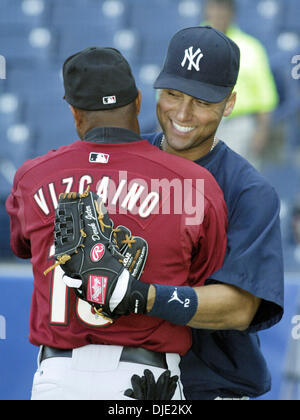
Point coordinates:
[[82, 355], [196, 90]]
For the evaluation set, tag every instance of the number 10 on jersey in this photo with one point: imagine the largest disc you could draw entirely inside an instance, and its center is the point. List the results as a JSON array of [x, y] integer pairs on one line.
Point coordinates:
[[60, 303]]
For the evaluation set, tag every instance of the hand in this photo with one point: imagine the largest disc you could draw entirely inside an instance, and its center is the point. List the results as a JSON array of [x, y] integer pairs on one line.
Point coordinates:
[[146, 388], [101, 264], [91, 289]]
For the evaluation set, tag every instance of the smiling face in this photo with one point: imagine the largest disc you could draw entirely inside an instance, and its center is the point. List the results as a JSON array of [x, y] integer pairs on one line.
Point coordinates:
[[190, 124]]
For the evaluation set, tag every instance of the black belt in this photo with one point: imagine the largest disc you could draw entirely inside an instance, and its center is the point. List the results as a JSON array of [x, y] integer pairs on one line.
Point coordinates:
[[129, 354]]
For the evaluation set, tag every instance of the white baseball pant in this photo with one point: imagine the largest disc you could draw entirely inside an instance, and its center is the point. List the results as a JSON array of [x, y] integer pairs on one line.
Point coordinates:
[[94, 372]]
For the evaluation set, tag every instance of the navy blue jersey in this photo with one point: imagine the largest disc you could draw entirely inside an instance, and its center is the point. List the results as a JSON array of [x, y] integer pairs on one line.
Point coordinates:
[[230, 363]]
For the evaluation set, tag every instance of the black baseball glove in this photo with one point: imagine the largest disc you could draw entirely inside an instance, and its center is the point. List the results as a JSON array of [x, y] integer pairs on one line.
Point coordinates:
[[146, 388], [102, 264]]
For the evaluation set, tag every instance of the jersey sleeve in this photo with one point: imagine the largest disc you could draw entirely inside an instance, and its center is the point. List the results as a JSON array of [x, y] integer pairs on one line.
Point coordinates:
[[254, 260], [20, 245]]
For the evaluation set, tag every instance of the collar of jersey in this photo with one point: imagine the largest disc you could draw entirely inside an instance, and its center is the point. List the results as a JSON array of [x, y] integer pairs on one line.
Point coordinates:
[[111, 135], [205, 160]]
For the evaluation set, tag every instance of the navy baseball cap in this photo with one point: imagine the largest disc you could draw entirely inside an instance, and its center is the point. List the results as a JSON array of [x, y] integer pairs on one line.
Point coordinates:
[[201, 62], [98, 78]]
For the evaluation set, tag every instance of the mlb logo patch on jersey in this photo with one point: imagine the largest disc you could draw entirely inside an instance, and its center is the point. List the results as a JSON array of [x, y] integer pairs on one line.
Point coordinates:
[[108, 100], [99, 158]]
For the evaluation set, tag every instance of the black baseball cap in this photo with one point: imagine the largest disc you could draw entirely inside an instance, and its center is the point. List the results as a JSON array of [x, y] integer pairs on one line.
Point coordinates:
[[201, 62], [98, 78]]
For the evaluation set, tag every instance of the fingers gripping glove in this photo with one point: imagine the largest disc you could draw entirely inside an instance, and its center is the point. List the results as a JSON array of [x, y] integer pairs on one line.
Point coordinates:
[[101, 263]]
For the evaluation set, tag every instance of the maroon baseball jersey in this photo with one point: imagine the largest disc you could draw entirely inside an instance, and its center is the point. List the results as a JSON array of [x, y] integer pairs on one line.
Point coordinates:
[[174, 204]]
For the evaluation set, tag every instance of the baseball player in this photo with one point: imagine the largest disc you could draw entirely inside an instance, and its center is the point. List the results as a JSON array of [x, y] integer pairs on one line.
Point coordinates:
[[158, 197], [196, 89]]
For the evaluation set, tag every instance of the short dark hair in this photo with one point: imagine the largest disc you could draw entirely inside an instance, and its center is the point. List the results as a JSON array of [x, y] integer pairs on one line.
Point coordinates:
[[230, 4]]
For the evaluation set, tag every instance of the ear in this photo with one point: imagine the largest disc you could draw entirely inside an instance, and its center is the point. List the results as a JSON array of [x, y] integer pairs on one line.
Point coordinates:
[[79, 121], [78, 116], [138, 102], [230, 104]]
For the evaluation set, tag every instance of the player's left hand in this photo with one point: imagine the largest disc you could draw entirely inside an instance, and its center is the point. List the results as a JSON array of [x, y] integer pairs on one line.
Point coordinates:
[[146, 388]]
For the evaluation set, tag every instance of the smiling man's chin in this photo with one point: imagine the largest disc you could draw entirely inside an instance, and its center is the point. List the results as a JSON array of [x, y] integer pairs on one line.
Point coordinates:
[[179, 143]]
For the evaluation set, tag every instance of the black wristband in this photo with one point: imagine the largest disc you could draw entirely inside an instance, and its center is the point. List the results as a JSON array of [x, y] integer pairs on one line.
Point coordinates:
[[138, 297]]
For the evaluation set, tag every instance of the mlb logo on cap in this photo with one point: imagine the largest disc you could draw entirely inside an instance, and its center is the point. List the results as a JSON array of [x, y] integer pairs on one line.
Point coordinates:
[[108, 100]]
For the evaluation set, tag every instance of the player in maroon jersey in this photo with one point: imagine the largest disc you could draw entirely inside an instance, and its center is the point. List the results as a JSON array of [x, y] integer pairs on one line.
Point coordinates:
[[175, 205]]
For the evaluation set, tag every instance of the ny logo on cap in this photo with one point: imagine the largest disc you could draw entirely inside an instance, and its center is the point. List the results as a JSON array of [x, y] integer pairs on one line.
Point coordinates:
[[190, 56]]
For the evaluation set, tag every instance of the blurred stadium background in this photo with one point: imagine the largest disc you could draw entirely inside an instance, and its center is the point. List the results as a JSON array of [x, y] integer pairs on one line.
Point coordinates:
[[36, 36]]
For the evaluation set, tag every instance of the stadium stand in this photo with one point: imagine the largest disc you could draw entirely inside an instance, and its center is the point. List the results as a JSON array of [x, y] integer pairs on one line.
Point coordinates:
[[291, 21], [32, 12], [22, 45], [261, 19], [177, 14]]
